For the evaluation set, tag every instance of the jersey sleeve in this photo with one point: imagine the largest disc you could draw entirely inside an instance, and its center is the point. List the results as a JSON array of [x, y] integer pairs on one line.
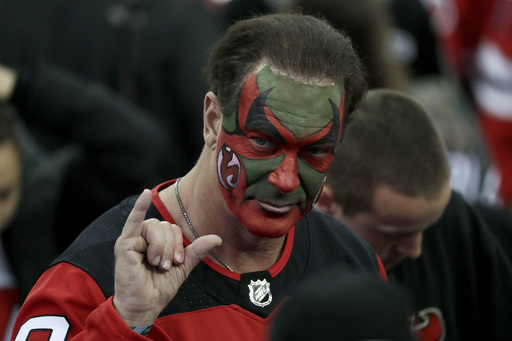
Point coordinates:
[[67, 304]]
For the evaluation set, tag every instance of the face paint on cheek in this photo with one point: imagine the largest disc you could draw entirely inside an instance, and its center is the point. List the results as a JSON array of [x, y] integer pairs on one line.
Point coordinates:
[[312, 180], [230, 172], [315, 201], [228, 168]]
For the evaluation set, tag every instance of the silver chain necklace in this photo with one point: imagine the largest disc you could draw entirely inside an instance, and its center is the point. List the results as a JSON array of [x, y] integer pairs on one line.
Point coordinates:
[[214, 255]]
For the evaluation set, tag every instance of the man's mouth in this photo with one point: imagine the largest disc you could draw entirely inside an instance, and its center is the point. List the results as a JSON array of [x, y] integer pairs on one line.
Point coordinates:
[[273, 208]]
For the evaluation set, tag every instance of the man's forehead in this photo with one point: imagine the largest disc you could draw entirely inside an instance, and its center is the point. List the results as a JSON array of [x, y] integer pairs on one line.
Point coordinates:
[[296, 103], [399, 213]]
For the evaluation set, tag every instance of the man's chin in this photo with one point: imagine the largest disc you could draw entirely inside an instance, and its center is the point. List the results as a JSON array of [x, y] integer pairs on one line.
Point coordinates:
[[270, 228], [267, 224], [268, 233], [266, 220]]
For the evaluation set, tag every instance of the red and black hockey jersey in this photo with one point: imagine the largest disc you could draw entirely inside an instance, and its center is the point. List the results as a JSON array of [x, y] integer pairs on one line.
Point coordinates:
[[72, 300]]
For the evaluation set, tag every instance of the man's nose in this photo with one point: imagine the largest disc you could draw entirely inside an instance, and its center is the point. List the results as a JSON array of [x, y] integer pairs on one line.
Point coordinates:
[[411, 245], [285, 177]]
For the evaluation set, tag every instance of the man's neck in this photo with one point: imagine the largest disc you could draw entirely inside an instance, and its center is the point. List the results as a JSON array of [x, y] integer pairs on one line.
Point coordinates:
[[208, 214]]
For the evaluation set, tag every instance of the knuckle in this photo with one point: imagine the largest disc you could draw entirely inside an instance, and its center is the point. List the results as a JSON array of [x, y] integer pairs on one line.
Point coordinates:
[[167, 225], [152, 221]]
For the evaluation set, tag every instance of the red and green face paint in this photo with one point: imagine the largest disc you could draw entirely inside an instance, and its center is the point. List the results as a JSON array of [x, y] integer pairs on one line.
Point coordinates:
[[275, 149]]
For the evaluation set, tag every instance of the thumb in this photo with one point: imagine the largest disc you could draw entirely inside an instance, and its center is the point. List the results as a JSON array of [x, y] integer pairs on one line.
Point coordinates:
[[199, 249]]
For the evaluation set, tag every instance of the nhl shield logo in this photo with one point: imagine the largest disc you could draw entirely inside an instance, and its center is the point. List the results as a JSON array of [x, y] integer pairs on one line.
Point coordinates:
[[259, 293]]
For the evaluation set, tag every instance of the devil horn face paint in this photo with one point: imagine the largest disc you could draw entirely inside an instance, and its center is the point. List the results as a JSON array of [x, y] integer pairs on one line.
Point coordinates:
[[275, 149]]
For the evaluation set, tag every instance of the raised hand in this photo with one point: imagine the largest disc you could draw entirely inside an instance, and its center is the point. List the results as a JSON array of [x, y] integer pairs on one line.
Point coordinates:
[[151, 264]]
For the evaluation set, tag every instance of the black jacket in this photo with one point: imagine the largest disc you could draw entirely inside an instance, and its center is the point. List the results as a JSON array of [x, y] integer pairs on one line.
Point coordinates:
[[109, 149], [150, 51], [464, 273]]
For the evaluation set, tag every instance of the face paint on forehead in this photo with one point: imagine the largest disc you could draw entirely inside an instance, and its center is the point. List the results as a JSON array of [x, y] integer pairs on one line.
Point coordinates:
[[276, 106]]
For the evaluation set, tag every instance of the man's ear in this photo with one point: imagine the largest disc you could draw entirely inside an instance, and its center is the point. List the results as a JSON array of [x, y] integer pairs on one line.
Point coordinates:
[[212, 117], [327, 202]]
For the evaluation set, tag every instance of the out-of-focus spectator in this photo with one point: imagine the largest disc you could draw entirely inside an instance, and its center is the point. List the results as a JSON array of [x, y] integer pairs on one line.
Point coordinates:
[[342, 305], [370, 26], [112, 149], [390, 183], [150, 51], [476, 42], [368, 23]]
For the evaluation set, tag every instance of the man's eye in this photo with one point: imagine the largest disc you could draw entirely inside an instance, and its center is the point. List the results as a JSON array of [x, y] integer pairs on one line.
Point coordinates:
[[263, 144], [318, 152], [260, 142]]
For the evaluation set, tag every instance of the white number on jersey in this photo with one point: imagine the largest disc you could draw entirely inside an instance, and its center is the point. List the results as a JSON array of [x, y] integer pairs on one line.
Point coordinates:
[[58, 325]]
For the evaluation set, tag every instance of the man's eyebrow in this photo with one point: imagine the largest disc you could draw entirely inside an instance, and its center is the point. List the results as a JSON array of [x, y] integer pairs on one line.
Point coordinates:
[[328, 139], [266, 128], [324, 143], [257, 121]]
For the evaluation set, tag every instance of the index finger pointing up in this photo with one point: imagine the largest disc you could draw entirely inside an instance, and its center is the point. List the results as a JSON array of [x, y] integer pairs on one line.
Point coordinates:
[[133, 225]]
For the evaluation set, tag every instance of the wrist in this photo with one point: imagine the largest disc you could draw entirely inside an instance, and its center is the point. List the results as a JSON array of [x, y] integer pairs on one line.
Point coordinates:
[[133, 317]]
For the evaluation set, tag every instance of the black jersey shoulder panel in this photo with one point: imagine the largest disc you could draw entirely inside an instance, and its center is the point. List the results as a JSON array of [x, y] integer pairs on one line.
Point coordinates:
[[93, 250], [320, 242], [332, 243]]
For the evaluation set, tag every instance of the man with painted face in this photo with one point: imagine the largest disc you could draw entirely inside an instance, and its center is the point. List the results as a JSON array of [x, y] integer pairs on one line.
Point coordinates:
[[279, 154], [211, 255]]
